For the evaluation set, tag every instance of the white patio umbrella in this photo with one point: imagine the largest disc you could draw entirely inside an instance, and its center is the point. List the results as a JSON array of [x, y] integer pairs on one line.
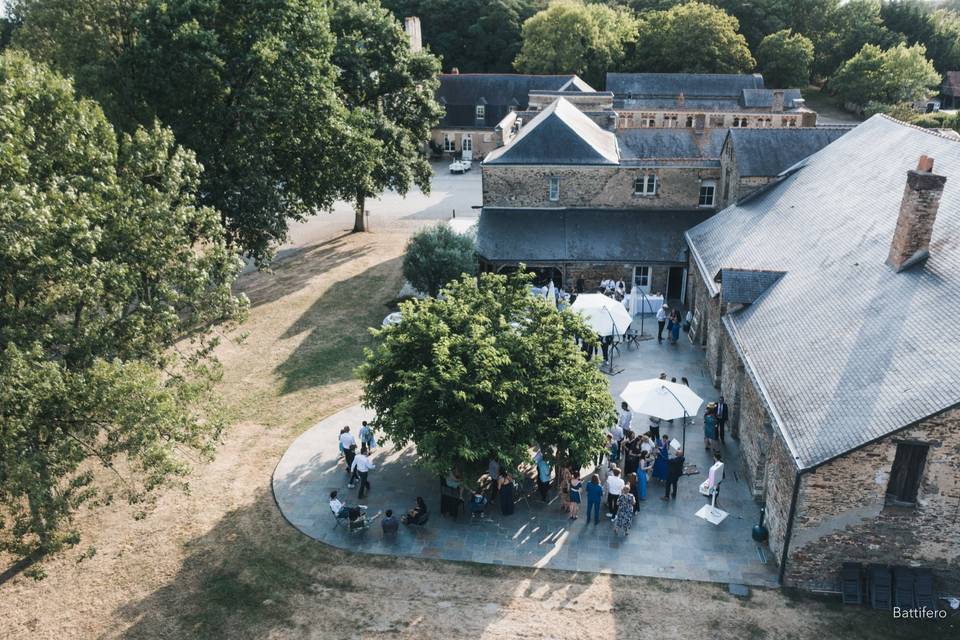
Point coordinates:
[[661, 399], [605, 315]]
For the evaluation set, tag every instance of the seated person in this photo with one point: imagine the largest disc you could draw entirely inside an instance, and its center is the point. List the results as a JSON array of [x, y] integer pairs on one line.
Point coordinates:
[[417, 515], [390, 523], [478, 502], [342, 510]]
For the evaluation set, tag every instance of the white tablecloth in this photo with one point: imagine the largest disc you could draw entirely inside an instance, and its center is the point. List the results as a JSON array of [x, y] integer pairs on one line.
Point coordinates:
[[647, 305]]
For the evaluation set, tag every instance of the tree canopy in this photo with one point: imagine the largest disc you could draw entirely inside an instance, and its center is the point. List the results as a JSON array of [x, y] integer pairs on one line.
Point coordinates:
[[690, 38], [785, 59], [486, 370], [900, 74], [437, 255], [108, 262], [389, 95], [572, 37]]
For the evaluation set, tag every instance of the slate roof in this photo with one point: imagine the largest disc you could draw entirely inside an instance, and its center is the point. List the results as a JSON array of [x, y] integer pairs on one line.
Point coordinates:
[[460, 93], [843, 349], [744, 286], [951, 83], [691, 85], [768, 152], [585, 235], [648, 147], [748, 100], [560, 135], [763, 98]]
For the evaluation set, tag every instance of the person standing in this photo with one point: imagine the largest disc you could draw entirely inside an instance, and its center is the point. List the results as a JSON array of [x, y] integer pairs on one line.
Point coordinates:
[[574, 503], [642, 472], [674, 472], [564, 476], [543, 477], [710, 428], [674, 327], [623, 519], [493, 472], [663, 457], [633, 482], [626, 418], [348, 445], [506, 493], [631, 453], [614, 488], [366, 436], [661, 321], [390, 524], [361, 465], [594, 497], [722, 413]]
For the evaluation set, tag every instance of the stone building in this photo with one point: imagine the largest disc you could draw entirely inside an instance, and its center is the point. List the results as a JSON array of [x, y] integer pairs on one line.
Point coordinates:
[[480, 109], [950, 90], [704, 101], [585, 202], [753, 158], [827, 304]]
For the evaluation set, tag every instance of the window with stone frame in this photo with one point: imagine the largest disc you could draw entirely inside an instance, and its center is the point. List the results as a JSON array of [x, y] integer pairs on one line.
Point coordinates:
[[906, 473], [670, 120], [646, 185], [648, 120], [708, 192], [449, 142], [553, 188], [741, 121], [481, 112], [789, 122], [689, 122]]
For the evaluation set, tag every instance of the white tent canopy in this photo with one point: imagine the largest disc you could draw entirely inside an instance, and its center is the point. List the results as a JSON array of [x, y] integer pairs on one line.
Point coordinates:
[[661, 399], [605, 315]]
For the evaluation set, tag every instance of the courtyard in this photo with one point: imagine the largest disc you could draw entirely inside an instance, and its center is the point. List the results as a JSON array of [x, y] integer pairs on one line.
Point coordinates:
[[667, 540]]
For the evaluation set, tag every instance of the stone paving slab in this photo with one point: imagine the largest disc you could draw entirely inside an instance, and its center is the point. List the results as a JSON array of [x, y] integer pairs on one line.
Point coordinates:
[[667, 539]]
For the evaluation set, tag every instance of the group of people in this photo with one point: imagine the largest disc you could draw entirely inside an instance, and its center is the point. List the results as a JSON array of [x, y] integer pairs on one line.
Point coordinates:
[[616, 289], [669, 319]]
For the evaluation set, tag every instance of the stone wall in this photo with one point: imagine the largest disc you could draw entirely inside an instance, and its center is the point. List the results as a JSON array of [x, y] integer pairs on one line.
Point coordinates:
[[484, 141], [756, 433], [842, 515], [779, 477], [632, 118], [593, 273], [585, 186], [731, 381]]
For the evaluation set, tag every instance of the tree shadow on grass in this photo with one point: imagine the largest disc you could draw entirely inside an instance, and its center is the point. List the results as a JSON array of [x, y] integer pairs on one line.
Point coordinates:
[[295, 270], [338, 324]]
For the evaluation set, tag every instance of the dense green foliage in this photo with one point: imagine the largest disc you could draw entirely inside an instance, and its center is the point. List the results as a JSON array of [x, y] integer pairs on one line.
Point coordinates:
[[107, 261], [389, 95], [486, 370], [437, 255], [899, 74], [572, 37], [785, 59], [693, 38]]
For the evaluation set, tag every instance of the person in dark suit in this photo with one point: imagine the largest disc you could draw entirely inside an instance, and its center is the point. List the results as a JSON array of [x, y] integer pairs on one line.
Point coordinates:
[[674, 472], [721, 414]]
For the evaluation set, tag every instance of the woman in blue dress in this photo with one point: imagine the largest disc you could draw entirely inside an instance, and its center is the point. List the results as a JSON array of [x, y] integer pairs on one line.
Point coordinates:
[[663, 456], [642, 471]]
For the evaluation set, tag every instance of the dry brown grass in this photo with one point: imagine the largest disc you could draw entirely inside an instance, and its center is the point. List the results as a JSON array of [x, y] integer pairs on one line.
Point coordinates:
[[221, 562]]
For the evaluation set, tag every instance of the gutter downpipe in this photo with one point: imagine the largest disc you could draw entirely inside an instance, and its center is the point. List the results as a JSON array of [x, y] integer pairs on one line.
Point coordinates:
[[789, 531]]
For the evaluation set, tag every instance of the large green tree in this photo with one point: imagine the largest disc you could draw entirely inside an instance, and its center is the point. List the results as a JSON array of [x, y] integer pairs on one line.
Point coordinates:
[[572, 37], [852, 25], [111, 273], [389, 94], [691, 38], [899, 74], [486, 370], [785, 59]]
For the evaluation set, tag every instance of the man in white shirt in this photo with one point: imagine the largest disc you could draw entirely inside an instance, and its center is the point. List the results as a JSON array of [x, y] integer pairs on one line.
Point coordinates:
[[614, 488], [626, 417], [362, 465], [348, 445], [661, 321]]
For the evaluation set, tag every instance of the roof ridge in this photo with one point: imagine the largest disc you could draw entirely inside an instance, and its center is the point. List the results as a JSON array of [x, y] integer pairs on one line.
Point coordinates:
[[932, 132]]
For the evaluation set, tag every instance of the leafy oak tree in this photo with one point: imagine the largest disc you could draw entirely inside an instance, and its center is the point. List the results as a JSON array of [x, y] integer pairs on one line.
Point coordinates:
[[877, 77], [111, 274], [486, 370], [389, 93], [438, 255], [572, 37], [784, 58], [690, 38]]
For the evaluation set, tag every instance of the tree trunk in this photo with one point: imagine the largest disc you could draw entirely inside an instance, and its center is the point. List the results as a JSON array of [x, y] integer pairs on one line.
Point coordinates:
[[359, 224]]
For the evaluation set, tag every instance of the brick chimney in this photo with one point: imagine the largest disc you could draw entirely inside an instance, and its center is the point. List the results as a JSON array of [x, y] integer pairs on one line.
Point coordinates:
[[918, 212], [777, 106], [411, 26]]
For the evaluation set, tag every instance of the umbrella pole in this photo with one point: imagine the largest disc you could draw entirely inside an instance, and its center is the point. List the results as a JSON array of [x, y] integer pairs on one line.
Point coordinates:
[[684, 445]]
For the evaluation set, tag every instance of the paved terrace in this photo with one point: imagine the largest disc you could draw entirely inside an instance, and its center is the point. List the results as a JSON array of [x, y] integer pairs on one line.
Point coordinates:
[[667, 539]]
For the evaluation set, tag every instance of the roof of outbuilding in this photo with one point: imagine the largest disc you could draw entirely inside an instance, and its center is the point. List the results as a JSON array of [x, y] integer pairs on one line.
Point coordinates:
[[691, 85], [843, 349], [585, 235], [560, 134], [648, 146], [460, 93], [768, 152], [763, 98]]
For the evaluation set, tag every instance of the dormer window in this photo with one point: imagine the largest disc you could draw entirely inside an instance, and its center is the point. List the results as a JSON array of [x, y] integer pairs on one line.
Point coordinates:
[[481, 112]]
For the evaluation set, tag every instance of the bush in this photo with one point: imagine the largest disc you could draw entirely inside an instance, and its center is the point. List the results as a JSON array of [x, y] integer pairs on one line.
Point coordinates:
[[437, 255]]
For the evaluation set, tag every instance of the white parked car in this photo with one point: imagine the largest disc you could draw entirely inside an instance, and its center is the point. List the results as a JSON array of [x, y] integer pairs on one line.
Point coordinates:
[[460, 166]]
